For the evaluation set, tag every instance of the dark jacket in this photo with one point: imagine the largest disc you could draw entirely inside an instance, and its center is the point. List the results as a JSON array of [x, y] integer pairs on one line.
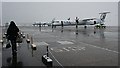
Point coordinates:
[[12, 31]]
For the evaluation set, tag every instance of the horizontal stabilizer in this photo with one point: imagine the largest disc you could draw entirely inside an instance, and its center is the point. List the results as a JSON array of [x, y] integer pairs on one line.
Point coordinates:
[[104, 12]]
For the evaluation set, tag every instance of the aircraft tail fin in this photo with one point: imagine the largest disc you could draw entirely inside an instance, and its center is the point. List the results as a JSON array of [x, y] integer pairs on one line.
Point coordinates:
[[103, 15]]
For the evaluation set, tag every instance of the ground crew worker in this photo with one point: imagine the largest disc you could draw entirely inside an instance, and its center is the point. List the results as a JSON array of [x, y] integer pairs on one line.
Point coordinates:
[[62, 23], [77, 21]]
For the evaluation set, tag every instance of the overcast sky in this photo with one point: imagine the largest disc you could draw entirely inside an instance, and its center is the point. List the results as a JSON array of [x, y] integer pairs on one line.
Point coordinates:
[[26, 13], [60, 0]]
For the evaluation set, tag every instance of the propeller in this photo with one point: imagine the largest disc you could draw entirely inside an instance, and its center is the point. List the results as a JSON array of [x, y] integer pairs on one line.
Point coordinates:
[[68, 18]]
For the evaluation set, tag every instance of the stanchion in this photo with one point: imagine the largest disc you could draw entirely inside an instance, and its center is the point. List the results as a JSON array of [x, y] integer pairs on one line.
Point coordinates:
[[46, 59], [33, 46], [28, 40]]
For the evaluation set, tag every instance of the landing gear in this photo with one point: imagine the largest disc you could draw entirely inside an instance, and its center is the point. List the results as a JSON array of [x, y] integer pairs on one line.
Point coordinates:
[[97, 26], [103, 26], [100, 26], [53, 26]]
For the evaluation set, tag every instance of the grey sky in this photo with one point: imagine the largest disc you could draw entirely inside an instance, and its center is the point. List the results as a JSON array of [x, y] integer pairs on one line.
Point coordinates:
[[26, 13], [0, 12], [59, 0]]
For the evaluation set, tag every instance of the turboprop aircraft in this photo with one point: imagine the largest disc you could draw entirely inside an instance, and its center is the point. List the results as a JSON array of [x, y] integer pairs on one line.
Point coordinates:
[[41, 24], [98, 22]]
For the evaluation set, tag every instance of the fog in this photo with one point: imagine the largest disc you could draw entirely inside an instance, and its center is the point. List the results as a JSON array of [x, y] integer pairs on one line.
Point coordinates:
[[26, 13]]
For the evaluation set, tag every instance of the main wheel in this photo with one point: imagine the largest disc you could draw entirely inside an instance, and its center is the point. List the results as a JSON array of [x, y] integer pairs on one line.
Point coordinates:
[[103, 26]]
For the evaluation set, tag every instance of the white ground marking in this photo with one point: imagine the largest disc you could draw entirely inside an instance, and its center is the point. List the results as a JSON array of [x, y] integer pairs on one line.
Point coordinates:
[[77, 48], [99, 47], [56, 59], [73, 49], [66, 49], [41, 43], [51, 48], [56, 49], [65, 42], [69, 47], [83, 48], [59, 50], [46, 30]]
